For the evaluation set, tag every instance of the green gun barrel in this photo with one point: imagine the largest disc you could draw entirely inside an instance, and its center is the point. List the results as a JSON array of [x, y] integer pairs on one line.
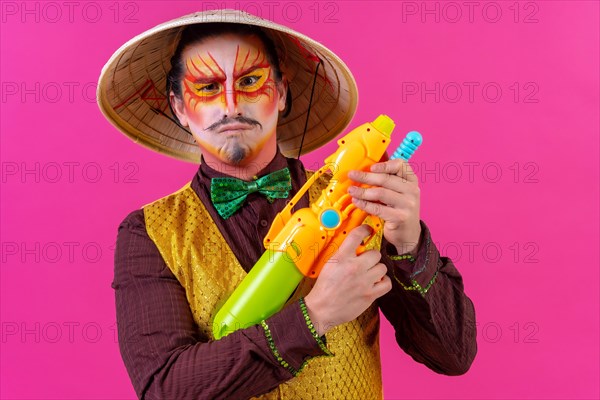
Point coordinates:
[[262, 293]]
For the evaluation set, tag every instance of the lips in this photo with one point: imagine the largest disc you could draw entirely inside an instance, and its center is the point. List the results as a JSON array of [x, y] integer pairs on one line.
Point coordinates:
[[234, 127]]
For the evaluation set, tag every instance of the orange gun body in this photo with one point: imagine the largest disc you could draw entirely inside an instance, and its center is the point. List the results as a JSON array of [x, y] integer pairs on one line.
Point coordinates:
[[310, 236], [300, 244]]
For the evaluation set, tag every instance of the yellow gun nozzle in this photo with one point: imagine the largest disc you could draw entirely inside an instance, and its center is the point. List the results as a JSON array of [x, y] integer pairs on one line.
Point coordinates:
[[384, 124]]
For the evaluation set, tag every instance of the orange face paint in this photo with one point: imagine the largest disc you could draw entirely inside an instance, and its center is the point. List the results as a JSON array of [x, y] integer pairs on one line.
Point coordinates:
[[229, 82], [206, 83]]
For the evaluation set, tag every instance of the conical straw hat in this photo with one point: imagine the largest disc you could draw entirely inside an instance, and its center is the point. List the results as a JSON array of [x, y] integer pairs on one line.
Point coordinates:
[[132, 87]]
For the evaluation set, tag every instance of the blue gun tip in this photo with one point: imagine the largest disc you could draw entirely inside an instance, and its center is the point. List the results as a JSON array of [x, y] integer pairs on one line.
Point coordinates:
[[414, 137], [409, 145]]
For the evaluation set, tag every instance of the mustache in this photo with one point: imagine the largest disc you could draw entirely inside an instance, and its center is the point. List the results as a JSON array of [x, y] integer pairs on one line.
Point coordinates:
[[228, 120]]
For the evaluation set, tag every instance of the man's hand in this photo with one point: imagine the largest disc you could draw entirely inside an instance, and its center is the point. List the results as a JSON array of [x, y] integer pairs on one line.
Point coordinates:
[[395, 198], [348, 284]]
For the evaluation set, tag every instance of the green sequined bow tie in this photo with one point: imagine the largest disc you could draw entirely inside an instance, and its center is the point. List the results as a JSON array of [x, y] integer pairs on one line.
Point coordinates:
[[228, 194]]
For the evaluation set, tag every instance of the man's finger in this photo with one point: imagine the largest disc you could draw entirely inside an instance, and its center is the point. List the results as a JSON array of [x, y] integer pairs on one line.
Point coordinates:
[[393, 182], [355, 238], [383, 211], [398, 167], [376, 272], [382, 287], [378, 194]]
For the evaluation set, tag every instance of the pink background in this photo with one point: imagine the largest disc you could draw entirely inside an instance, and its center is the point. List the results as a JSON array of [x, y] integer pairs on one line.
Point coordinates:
[[509, 184]]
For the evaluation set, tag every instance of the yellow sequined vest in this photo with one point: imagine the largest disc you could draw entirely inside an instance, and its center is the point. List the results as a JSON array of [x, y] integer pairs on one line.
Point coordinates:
[[195, 250]]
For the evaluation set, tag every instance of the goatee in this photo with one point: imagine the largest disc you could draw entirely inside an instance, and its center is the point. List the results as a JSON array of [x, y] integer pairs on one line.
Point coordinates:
[[236, 155]]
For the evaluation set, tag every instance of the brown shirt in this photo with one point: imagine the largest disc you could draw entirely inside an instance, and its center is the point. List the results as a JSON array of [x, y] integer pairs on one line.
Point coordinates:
[[167, 358]]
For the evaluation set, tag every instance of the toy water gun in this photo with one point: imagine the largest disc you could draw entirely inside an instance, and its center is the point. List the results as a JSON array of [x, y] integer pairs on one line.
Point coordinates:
[[299, 244]]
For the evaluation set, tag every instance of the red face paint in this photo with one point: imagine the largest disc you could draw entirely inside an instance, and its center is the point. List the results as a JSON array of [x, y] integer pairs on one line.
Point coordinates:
[[206, 82], [230, 75]]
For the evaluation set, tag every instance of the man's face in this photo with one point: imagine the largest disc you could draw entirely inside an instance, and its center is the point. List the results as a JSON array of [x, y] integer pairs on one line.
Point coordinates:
[[230, 100]]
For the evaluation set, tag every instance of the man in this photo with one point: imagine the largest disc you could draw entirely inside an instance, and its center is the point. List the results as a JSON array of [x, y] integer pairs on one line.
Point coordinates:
[[179, 258]]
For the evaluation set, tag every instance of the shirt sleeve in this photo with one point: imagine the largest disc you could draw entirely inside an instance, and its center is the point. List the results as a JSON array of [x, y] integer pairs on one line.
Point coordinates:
[[433, 319], [165, 355]]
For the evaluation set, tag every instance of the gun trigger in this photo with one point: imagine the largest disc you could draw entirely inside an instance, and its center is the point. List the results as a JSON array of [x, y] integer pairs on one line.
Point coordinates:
[[376, 225]]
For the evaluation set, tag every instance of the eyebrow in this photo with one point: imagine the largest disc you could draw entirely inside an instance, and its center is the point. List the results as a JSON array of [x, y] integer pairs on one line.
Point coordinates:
[[250, 69], [204, 78], [197, 80]]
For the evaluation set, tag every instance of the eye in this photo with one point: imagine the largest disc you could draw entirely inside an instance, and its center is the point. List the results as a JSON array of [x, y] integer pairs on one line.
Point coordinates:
[[207, 88], [249, 80]]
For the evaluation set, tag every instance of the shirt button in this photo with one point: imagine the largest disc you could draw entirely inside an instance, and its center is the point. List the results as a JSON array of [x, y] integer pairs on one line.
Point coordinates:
[[263, 222]]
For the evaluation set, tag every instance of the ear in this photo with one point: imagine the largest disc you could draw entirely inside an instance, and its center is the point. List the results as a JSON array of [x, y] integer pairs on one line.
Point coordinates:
[[282, 87], [178, 109]]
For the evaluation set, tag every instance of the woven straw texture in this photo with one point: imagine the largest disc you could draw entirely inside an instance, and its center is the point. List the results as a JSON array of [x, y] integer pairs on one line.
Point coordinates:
[[132, 87]]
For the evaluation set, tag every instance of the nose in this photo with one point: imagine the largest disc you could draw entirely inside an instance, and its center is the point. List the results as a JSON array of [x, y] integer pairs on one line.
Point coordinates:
[[231, 104]]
